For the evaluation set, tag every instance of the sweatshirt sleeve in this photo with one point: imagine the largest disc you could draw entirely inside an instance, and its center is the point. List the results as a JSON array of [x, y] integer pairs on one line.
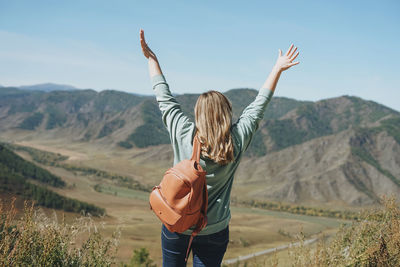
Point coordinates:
[[172, 115], [248, 122]]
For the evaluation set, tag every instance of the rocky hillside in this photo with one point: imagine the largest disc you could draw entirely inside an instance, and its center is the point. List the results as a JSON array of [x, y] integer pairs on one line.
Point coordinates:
[[343, 150], [352, 167]]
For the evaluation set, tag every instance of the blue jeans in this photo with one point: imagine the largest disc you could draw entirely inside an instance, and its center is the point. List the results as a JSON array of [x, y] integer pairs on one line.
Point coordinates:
[[208, 250]]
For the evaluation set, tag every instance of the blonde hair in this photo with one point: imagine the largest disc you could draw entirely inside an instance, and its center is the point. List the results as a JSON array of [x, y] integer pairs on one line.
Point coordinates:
[[213, 116]]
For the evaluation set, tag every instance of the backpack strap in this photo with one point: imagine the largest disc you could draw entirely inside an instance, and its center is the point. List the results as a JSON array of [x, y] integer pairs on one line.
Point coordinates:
[[196, 149], [201, 223], [203, 220]]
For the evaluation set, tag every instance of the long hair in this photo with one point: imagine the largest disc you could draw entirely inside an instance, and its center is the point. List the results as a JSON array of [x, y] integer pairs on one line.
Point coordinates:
[[213, 116]]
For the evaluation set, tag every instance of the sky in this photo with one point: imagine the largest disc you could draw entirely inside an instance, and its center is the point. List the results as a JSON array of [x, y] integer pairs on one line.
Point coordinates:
[[346, 47]]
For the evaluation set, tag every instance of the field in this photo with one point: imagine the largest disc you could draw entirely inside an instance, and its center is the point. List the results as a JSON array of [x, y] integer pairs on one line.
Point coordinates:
[[251, 229]]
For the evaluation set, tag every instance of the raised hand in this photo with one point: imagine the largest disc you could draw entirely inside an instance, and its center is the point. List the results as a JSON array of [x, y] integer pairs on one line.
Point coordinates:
[[145, 48], [154, 66], [284, 62]]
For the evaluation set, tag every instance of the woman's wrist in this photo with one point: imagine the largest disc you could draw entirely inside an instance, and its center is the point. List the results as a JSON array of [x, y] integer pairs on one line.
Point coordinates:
[[154, 67], [276, 69], [153, 60]]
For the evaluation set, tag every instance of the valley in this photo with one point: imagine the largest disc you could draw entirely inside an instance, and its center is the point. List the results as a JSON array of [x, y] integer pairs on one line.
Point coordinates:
[[251, 229]]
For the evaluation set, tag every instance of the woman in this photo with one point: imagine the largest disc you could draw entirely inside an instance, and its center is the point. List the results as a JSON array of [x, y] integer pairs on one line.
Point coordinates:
[[222, 147]]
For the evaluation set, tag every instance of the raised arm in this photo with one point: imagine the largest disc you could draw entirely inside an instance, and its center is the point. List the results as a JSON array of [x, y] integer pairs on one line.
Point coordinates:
[[172, 115], [154, 66], [248, 122]]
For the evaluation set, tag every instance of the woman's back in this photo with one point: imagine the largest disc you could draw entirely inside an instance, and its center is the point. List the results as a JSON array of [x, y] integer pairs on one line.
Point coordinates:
[[219, 177]]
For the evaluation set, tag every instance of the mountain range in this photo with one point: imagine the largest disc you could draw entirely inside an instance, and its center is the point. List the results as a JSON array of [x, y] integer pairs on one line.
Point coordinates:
[[338, 151]]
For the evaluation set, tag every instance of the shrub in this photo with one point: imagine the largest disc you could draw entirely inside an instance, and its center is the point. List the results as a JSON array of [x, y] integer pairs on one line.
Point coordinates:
[[140, 258], [110, 127], [125, 144], [35, 240], [373, 240]]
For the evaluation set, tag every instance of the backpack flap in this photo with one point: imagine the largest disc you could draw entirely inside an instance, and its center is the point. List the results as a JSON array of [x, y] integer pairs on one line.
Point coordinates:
[[163, 211]]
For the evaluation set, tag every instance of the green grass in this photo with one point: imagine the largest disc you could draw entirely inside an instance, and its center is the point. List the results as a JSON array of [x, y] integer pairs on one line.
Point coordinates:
[[122, 192], [40, 156], [120, 180], [327, 222], [57, 160], [299, 209]]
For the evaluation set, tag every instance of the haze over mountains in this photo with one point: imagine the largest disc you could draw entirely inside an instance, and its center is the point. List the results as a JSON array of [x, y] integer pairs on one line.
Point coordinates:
[[342, 150], [48, 87]]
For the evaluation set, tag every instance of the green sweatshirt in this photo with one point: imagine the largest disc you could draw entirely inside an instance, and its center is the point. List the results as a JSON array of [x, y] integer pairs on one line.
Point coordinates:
[[219, 178]]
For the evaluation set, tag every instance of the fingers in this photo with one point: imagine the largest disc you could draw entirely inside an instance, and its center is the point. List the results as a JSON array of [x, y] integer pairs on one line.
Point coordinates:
[[142, 40], [142, 35], [145, 48], [294, 57], [292, 64], [290, 49], [291, 54], [286, 61], [144, 45]]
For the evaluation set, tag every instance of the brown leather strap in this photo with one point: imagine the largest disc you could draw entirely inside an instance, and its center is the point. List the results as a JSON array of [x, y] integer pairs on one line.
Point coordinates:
[[204, 220], [205, 205], [201, 223], [189, 247], [196, 149]]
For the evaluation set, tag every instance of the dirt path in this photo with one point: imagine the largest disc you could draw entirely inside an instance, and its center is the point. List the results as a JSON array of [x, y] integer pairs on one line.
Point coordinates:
[[267, 251]]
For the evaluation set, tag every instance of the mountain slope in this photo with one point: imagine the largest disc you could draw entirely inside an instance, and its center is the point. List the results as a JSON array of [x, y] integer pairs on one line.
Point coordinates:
[[340, 150], [323, 118], [75, 115], [322, 170]]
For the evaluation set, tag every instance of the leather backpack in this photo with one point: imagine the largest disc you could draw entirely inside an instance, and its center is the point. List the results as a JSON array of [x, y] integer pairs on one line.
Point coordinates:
[[180, 200]]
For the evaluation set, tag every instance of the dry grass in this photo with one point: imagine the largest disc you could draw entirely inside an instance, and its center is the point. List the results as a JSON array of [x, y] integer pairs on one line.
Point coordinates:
[[374, 240], [36, 240]]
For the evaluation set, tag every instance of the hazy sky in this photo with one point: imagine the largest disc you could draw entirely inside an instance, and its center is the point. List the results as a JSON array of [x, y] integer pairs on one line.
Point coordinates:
[[346, 47]]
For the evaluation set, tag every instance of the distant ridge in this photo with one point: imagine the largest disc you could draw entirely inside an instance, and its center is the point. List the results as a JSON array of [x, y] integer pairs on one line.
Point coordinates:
[[48, 87]]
